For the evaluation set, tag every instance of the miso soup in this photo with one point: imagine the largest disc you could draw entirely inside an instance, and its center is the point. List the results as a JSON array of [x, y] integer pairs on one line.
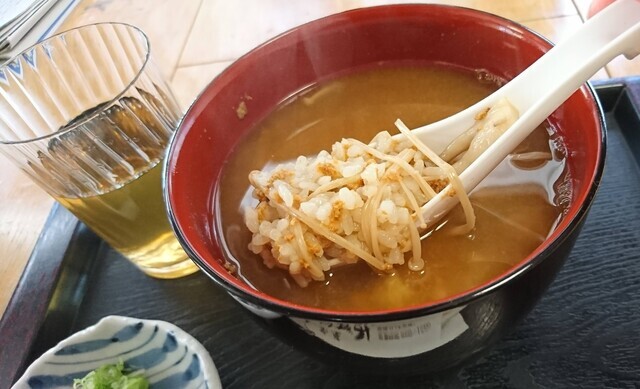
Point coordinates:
[[516, 206]]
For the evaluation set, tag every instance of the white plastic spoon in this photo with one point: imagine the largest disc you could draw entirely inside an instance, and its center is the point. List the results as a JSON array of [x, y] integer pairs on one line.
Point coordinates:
[[537, 92]]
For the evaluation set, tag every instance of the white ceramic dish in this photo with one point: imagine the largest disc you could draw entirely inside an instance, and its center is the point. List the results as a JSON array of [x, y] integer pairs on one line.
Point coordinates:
[[170, 357]]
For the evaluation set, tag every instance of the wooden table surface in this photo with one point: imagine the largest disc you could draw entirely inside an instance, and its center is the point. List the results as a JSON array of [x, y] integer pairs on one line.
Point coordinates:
[[193, 40]]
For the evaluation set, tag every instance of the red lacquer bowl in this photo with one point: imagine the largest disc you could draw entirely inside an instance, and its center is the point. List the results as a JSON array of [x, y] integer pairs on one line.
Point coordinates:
[[460, 37]]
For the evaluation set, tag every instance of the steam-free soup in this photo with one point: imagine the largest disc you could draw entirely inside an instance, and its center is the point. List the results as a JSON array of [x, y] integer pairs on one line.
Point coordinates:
[[516, 205]]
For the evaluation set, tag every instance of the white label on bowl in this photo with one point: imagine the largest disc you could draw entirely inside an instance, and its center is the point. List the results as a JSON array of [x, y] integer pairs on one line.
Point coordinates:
[[394, 339]]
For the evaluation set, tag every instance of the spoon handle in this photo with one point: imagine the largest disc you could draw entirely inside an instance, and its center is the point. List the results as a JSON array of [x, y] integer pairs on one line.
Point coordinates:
[[546, 84], [540, 90]]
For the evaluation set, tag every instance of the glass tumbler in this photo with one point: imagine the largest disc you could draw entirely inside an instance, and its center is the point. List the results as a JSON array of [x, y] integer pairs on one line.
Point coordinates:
[[88, 116]]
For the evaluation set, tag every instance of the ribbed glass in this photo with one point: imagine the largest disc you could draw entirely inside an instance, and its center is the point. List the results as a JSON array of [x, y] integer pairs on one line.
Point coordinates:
[[88, 116]]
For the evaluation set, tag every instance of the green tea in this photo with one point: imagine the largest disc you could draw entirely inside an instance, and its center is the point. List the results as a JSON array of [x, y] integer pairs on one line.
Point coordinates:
[[132, 219], [110, 161]]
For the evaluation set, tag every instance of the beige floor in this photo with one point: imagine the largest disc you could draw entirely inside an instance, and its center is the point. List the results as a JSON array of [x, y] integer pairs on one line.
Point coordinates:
[[193, 40]]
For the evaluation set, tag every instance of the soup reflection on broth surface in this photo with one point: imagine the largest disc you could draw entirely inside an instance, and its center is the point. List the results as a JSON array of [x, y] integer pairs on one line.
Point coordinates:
[[516, 206]]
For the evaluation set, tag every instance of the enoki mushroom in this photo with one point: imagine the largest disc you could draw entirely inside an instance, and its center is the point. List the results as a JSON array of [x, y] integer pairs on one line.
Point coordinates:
[[362, 201]]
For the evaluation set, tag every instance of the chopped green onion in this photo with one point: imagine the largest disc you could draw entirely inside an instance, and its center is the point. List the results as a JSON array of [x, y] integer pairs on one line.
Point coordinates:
[[111, 377]]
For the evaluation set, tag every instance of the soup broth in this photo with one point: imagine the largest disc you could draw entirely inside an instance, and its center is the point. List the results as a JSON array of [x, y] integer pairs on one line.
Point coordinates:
[[516, 205]]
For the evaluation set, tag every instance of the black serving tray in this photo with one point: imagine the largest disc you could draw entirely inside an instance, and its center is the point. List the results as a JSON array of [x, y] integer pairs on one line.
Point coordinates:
[[584, 333]]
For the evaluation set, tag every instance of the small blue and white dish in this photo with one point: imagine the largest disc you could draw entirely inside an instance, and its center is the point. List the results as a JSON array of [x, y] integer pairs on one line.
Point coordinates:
[[169, 357]]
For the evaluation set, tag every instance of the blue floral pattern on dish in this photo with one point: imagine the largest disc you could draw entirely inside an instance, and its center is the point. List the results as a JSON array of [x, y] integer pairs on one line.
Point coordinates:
[[169, 357]]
